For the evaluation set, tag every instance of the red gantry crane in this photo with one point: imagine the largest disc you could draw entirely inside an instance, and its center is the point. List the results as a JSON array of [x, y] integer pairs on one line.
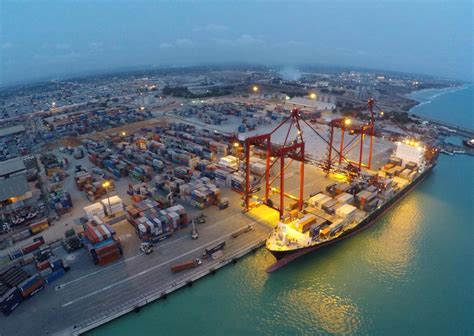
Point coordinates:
[[295, 151], [360, 132]]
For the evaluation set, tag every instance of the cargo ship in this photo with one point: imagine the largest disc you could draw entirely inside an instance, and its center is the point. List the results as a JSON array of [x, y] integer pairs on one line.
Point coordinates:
[[345, 208]]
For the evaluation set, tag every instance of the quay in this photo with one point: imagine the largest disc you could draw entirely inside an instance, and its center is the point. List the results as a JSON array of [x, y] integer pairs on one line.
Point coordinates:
[[456, 129], [89, 296]]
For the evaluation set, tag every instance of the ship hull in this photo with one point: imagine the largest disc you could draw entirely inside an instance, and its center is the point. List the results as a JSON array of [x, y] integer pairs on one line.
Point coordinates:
[[284, 257]]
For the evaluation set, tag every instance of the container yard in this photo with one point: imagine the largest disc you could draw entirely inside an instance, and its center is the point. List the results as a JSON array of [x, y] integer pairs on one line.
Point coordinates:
[[89, 295], [162, 203], [154, 210], [158, 187]]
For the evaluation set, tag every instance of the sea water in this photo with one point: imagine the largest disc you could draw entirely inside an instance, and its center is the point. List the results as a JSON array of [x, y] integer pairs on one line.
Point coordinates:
[[454, 105]]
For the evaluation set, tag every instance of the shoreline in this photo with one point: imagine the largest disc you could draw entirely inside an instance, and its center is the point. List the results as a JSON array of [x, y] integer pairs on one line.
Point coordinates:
[[439, 92]]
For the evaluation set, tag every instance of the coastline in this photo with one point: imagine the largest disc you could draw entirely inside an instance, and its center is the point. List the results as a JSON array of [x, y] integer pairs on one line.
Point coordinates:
[[415, 94]]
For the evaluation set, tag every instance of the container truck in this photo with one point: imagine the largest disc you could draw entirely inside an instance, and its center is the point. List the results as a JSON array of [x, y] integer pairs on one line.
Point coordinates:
[[186, 265], [211, 250]]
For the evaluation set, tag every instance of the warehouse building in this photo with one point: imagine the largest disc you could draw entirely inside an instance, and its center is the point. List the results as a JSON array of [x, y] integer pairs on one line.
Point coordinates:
[[310, 108], [13, 183]]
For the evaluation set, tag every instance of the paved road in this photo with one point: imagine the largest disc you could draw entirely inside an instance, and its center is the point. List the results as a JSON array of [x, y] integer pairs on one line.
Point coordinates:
[[89, 292]]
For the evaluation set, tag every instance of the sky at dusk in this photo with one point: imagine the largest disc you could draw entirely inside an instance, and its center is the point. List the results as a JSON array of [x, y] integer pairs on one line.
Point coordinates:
[[43, 39]]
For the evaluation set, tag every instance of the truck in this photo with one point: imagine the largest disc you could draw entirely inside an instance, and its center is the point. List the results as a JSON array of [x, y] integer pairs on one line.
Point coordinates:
[[211, 250], [246, 229], [186, 265], [78, 153]]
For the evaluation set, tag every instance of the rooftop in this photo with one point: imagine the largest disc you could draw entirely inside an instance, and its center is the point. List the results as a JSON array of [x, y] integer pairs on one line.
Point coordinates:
[[312, 103], [11, 166], [11, 130], [13, 186]]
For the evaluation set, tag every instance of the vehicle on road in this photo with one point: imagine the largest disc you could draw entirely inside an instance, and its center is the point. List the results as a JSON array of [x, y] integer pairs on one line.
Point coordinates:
[[223, 203], [194, 232], [186, 265], [146, 247]]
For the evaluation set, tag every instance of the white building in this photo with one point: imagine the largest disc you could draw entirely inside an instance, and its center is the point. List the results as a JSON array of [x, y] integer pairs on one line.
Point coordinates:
[[312, 105]]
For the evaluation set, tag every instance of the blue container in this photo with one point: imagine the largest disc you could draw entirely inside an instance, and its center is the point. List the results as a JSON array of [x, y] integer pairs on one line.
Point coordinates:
[[54, 276], [16, 254], [209, 174], [108, 163], [29, 282], [236, 185], [56, 263]]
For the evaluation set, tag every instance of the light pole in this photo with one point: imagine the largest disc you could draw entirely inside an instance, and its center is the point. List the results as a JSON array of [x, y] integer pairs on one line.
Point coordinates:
[[106, 185], [237, 152]]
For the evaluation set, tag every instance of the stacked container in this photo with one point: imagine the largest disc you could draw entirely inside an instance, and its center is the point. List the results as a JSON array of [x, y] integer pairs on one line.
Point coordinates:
[[364, 197], [96, 209], [319, 200], [133, 211], [82, 178], [344, 198], [205, 196], [60, 201], [101, 243], [237, 183], [112, 205], [346, 212]]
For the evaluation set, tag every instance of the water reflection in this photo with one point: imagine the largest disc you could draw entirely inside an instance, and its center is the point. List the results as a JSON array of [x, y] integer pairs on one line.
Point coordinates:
[[392, 248], [332, 313]]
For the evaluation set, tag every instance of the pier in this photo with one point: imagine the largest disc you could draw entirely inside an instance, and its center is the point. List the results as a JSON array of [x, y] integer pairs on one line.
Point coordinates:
[[459, 130]]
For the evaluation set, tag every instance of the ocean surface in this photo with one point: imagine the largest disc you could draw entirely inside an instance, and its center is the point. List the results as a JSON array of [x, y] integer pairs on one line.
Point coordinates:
[[411, 273], [454, 105]]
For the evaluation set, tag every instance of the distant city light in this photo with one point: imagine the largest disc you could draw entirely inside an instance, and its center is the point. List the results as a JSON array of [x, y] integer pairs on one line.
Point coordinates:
[[255, 88], [312, 95]]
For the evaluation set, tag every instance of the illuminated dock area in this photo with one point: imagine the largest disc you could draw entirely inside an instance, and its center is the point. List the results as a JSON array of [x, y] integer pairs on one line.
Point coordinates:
[[89, 296]]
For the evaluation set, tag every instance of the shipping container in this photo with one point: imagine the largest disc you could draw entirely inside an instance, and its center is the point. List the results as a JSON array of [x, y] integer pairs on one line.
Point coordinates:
[[54, 276], [10, 300], [31, 286], [32, 246], [186, 265]]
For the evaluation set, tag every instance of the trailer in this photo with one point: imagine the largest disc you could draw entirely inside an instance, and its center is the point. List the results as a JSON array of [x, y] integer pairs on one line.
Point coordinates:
[[211, 250], [186, 265]]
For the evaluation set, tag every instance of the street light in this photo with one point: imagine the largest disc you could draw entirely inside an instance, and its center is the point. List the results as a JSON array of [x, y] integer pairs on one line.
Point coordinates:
[[124, 133], [347, 121], [312, 95], [106, 185], [255, 88]]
